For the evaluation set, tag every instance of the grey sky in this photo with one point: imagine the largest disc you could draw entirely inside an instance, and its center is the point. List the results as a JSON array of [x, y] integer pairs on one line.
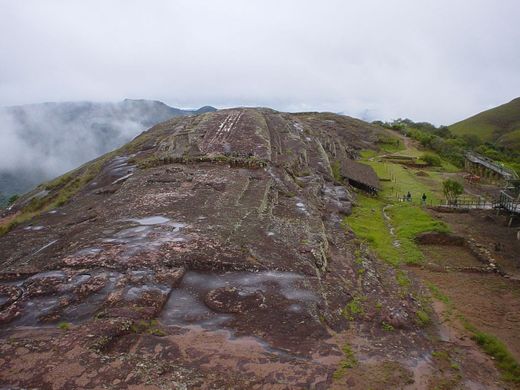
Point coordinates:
[[437, 60]]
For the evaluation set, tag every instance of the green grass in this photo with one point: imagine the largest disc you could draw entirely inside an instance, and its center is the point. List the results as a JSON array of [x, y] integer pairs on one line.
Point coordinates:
[[367, 153], [348, 361], [336, 170], [402, 279], [406, 179], [148, 327], [500, 124], [389, 143], [408, 218], [437, 294], [423, 318], [353, 309], [24, 217], [490, 344], [64, 325], [497, 349], [62, 189], [368, 224], [409, 221]]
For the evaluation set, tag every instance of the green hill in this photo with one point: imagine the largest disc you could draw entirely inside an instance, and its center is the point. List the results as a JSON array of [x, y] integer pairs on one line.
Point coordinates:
[[500, 124]]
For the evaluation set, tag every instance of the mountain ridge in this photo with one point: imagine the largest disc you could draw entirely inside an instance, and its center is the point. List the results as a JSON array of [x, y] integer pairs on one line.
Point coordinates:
[[61, 135], [500, 125]]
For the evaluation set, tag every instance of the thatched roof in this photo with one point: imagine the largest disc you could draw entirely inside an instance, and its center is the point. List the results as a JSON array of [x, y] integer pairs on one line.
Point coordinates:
[[360, 173]]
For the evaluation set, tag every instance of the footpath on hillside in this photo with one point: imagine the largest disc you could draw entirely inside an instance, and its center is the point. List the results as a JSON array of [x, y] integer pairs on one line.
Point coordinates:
[[466, 259]]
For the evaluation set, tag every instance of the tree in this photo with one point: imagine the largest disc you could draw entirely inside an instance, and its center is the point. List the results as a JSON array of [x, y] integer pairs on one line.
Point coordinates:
[[452, 189], [472, 140]]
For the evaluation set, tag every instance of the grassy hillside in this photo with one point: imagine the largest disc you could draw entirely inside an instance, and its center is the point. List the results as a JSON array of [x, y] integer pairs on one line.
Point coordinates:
[[500, 124]]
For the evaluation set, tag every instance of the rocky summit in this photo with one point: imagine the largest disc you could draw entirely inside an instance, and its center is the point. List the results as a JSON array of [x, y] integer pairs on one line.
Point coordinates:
[[209, 252]]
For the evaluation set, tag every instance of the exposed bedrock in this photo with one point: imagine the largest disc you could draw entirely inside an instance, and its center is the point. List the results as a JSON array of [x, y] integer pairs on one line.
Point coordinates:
[[226, 220]]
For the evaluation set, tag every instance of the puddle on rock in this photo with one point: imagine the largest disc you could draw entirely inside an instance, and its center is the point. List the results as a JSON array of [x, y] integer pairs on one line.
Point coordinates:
[[34, 228], [155, 220], [34, 309], [84, 310], [150, 234], [186, 307], [88, 251], [48, 275], [134, 293], [74, 308]]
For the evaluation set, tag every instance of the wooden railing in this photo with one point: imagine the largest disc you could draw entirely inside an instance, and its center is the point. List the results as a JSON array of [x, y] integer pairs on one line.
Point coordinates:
[[470, 204], [508, 202], [508, 174]]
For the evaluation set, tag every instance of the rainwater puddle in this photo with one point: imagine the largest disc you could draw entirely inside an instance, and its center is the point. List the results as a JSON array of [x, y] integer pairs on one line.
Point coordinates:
[[150, 234], [301, 207], [88, 251], [48, 275], [119, 166], [86, 309], [33, 308], [155, 220], [135, 292], [34, 228], [186, 307]]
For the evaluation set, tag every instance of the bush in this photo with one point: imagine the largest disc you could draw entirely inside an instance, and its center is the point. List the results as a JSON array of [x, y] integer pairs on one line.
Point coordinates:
[[452, 189], [431, 159]]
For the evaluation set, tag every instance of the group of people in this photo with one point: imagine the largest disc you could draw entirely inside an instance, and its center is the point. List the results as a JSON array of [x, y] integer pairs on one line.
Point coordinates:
[[408, 198]]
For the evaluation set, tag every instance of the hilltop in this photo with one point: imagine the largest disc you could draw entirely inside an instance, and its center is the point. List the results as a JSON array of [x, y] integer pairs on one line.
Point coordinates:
[[228, 250], [500, 125], [217, 235], [44, 140]]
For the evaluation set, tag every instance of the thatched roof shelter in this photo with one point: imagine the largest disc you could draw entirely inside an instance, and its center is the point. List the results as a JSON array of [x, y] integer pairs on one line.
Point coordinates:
[[360, 175]]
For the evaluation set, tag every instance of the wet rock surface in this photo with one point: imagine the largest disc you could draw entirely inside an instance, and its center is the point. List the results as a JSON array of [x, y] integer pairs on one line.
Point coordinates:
[[209, 252]]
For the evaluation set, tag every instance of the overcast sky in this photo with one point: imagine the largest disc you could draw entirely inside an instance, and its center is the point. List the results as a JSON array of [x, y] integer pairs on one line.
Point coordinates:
[[432, 60]]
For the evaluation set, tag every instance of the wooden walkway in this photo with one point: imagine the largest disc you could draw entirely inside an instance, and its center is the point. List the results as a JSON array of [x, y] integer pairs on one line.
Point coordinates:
[[509, 203], [506, 173]]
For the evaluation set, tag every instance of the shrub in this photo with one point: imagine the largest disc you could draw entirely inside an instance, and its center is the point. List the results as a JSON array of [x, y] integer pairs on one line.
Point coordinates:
[[12, 199], [431, 159]]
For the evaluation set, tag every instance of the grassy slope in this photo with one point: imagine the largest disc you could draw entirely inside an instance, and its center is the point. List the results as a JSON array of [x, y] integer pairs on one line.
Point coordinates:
[[408, 219], [500, 124], [368, 222]]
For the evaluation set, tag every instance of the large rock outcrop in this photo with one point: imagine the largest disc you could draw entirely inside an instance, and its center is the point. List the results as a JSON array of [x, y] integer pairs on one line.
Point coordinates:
[[219, 229]]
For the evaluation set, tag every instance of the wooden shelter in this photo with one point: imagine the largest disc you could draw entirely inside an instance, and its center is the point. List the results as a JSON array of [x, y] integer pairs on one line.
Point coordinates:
[[360, 175]]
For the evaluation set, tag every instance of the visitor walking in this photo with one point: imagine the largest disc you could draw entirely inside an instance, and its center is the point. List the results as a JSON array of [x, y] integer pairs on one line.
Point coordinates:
[[423, 199]]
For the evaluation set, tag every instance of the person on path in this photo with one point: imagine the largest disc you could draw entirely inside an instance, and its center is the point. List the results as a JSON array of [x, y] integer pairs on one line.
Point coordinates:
[[409, 197], [423, 199]]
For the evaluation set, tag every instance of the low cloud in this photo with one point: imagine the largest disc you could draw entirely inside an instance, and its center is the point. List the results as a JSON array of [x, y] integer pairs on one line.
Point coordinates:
[[432, 60], [36, 138]]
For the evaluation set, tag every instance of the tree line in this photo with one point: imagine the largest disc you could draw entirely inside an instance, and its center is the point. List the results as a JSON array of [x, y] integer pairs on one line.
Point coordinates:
[[449, 146]]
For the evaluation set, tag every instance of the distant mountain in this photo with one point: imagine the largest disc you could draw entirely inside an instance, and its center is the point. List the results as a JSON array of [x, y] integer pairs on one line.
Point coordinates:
[[41, 141], [500, 125]]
